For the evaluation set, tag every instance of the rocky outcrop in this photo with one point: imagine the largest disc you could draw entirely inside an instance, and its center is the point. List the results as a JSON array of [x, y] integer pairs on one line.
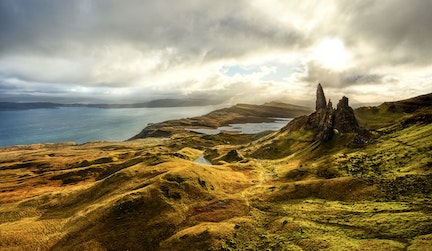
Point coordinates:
[[327, 124], [344, 118], [326, 121], [232, 156], [321, 103]]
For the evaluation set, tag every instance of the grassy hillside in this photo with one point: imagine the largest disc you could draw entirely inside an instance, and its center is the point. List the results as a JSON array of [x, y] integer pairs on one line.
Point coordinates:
[[389, 113], [279, 191]]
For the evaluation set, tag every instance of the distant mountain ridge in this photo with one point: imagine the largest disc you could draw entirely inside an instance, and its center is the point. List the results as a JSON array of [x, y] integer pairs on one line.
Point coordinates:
[[10, 106]]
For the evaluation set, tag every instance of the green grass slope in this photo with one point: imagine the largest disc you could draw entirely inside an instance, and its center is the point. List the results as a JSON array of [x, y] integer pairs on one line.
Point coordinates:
[[280, 191], [388, 113]]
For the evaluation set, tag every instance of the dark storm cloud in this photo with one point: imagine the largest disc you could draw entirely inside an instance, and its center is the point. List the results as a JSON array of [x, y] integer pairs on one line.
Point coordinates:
[[220, 28], [353, 78], [398, 31]]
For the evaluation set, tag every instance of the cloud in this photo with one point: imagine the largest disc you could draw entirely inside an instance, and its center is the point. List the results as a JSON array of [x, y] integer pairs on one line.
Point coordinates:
[[218, 28], [316, 72], [159, 48], [122, 43], [395, 32], [353, 78]]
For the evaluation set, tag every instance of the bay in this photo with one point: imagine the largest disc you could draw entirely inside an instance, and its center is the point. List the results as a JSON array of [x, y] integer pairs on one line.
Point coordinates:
[[84, 124]]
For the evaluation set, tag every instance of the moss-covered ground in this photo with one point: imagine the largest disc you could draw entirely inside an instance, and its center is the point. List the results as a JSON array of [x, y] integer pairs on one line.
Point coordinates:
[[279, 191]]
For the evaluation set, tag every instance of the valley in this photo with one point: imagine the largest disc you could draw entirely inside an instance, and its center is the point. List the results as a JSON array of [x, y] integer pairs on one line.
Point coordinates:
[[313, 185]]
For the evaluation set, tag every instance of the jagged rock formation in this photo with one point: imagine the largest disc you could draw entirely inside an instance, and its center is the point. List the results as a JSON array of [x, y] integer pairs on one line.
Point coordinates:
[[344, 118], [325, 121], [327, 124], [321, 102]]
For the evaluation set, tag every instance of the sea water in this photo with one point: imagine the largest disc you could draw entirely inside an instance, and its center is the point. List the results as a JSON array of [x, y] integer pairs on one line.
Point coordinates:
[[84, 124]]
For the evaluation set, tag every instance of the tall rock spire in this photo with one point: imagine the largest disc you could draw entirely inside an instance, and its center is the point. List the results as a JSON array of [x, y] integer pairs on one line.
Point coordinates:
[[326, 119], [321, 102]]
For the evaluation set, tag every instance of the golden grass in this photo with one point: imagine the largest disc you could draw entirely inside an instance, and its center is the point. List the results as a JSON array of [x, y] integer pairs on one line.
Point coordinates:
[[150, 195]]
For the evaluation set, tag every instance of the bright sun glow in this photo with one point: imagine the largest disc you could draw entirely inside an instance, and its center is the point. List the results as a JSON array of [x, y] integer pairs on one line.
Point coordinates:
[[331, 53]]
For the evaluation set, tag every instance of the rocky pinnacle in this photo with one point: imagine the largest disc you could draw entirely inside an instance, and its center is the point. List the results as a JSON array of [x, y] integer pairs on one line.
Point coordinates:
[[321, 102], [345, 120], [326, 120]]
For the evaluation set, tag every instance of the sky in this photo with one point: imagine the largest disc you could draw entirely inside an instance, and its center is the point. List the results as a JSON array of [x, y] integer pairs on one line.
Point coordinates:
[[251, 51]]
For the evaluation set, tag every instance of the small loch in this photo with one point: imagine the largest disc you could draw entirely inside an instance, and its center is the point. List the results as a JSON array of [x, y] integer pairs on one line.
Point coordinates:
[[246, 128], [202, 160]]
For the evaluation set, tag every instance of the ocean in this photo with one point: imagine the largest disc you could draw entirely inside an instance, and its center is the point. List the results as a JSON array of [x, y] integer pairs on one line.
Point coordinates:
[[84, 124]]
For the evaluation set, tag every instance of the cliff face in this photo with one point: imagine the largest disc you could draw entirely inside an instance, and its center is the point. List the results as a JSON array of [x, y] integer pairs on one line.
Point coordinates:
[[322, 122]]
